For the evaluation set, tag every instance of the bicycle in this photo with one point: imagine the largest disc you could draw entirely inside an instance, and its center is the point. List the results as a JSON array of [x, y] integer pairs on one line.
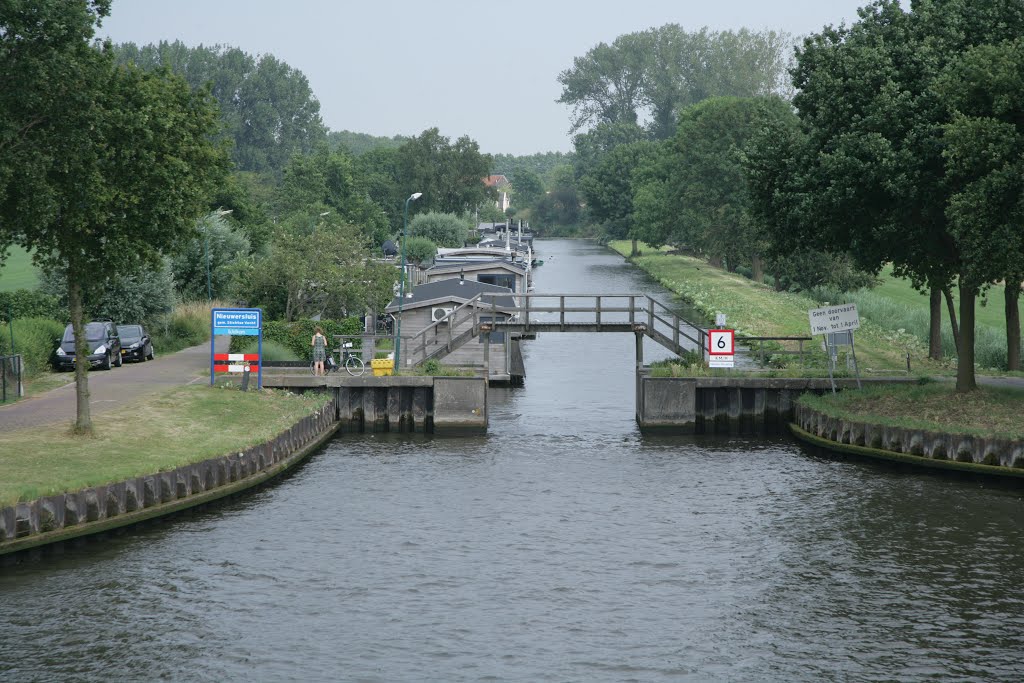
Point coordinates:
[[350, 360]]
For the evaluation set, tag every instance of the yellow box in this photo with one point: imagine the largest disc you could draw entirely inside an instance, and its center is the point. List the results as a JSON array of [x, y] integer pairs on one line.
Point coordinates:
[[382, 366]]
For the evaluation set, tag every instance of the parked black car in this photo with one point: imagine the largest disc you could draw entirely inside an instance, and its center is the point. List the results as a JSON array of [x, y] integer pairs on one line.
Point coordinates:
[[135, 343], [104, 346]]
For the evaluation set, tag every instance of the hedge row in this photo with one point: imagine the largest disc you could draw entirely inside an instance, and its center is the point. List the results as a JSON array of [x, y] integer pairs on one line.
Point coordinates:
[[27, 303], [35, 339], [296, 335]]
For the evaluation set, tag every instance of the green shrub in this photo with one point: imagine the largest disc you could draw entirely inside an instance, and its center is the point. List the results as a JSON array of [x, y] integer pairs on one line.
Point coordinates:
[[187, 325], [443, 229], [296, 335], [433, 368], [272, 350], [27, 303], [35, 339]]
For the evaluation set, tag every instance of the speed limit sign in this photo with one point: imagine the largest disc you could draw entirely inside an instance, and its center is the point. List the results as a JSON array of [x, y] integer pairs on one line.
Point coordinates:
[[721, 342]]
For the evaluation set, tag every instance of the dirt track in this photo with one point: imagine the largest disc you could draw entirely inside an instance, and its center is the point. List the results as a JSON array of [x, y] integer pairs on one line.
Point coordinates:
[[111, 390]]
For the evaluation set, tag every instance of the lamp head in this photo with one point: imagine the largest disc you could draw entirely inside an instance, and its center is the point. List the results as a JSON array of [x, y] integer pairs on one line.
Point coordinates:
[[415, 195]]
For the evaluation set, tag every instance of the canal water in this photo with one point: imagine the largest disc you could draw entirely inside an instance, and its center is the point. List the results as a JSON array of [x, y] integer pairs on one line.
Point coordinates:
[[563, 546]]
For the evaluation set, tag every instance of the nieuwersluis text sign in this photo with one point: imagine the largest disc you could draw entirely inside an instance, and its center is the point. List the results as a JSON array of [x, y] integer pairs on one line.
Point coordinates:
[[238, 322]]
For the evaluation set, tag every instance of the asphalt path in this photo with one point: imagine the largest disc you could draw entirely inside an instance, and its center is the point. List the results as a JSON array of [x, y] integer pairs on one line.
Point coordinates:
[[112, 390]]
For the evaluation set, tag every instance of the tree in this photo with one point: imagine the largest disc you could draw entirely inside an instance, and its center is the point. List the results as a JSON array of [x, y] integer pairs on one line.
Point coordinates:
[[985, 156], [358, 144], [600, 140], [700, 182], [450, 175], [137, 297], [420, 250], [686, 68], [875, 123], [218, 244], [662, 70], [114, 164], [606, 84], [268, 108], [443, 229], [329, 180], [529, 188], [609, 190], [378, 171], [561, 204], [329, 274]]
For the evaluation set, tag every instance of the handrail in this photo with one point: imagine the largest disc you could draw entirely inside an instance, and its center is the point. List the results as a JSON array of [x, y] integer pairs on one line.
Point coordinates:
[[450, 321], [647, 315]]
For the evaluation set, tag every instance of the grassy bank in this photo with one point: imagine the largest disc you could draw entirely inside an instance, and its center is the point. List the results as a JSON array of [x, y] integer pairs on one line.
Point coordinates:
[[18, 271], [753, 309], [936, 406], [163, 431]]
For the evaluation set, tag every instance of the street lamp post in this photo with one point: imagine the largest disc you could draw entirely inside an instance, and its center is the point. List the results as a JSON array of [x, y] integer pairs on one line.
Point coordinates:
[[206, 252], [401, 287]]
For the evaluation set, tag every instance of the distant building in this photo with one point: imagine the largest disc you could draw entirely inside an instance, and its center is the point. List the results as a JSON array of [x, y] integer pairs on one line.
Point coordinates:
[[502, 185]]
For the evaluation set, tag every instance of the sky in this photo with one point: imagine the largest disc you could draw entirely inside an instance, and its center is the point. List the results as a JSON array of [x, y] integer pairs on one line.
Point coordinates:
[[488, 70]]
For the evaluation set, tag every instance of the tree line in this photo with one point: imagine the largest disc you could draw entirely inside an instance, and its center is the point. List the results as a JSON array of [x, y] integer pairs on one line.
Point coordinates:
[[898, 140], [166, 172]]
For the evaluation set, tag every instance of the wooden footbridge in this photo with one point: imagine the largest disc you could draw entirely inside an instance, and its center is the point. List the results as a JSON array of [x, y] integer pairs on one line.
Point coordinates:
[[639, 314]]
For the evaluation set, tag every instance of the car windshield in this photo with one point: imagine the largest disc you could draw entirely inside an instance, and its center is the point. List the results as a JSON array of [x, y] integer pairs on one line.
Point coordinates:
[[129, 331], [93, 332]]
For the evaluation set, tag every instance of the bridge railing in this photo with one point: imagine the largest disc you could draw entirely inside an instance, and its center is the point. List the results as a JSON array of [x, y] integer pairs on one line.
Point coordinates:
[[598, 310], [443, 332]]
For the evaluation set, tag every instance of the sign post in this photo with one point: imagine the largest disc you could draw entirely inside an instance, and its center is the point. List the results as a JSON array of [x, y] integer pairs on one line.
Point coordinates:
[[721, 348], [831, 320], [238, 322]]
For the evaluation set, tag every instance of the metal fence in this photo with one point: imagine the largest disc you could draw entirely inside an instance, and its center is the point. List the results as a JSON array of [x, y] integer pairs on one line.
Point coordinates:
[[11, 387]]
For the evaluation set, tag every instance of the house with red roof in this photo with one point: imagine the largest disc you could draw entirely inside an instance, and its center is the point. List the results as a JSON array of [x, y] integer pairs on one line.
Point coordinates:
[[502, 185]]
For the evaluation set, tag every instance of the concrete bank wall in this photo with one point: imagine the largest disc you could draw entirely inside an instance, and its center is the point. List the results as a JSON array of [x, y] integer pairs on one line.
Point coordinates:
[[100, 508], [956, 451], [725, 405], [444, 406]]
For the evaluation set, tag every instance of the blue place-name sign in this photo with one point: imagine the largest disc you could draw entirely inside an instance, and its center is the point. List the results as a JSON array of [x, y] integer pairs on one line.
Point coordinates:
[[241, 322]]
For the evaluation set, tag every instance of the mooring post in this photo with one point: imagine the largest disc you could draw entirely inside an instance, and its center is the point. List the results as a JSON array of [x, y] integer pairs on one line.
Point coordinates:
[[638, 399], [485, 331]]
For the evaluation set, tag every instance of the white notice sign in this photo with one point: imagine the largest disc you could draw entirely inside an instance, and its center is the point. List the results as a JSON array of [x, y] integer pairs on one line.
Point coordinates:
[[834, 319]]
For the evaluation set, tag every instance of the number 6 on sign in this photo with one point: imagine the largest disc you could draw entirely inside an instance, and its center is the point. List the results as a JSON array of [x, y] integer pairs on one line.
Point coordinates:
[[721, 342]]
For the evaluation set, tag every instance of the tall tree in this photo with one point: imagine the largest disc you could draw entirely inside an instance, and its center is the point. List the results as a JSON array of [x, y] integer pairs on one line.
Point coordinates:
[[267, 107], [330, 181], [875, 125], [606, 84], [608, 189], [660, 71], [331, 274], [450, 175], [985, 155], [114, 164], [528, 188]]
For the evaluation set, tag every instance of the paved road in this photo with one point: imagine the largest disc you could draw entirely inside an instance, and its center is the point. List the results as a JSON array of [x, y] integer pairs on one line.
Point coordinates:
[[111, 390]]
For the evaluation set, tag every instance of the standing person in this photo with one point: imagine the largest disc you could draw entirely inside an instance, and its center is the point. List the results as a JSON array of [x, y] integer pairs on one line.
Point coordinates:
[[319, 344]]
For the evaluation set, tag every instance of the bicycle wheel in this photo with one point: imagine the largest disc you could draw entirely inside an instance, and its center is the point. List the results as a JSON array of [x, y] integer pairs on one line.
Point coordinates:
[[354, 365]]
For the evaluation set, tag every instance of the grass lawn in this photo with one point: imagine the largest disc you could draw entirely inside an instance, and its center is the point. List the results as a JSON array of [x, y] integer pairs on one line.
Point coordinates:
[[989, 411], [18, 271], [185, 425], [757, 310], [900, 291]]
